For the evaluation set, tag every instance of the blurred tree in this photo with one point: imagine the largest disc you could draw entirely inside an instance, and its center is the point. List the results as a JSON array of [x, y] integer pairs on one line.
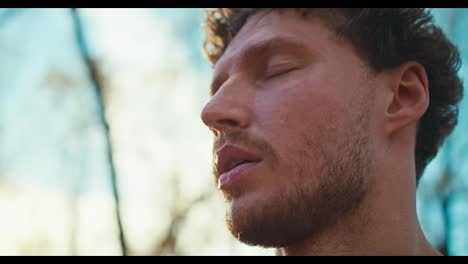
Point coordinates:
[[448, 171], [97, 84], [179, 212]]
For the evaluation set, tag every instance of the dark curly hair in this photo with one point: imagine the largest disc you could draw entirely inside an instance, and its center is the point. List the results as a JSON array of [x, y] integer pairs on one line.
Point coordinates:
[[384, 38]]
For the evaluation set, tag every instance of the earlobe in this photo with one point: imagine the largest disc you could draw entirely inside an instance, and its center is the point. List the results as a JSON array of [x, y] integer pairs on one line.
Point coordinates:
[[409, 96]]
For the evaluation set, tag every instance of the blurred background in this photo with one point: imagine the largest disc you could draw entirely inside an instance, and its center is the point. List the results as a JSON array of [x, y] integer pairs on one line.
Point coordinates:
[[102, 151]]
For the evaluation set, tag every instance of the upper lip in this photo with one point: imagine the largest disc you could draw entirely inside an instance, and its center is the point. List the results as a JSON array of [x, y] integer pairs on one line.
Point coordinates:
[[230, 156]]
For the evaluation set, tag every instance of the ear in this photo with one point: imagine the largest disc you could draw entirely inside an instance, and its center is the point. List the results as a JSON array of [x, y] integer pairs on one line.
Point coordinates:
[[408, 96]]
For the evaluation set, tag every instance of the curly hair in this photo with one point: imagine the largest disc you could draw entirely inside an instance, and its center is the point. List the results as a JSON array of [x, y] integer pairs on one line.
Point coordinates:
[[383, 38]]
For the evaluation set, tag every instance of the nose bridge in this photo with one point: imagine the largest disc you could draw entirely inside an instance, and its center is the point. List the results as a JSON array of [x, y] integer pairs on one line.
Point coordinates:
[[229, 106], [231, 94]]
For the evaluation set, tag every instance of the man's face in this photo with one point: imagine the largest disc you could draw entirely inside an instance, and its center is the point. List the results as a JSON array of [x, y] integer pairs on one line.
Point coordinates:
[[291, 117]]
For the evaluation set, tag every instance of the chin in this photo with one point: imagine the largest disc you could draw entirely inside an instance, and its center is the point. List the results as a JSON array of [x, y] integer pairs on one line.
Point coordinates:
[[255, 220]]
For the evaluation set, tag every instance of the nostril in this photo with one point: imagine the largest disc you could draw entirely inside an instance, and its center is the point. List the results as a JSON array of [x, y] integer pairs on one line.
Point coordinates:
[[215, 132]]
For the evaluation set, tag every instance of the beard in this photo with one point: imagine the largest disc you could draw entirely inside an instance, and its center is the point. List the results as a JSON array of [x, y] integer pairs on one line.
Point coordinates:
[[328, 182]]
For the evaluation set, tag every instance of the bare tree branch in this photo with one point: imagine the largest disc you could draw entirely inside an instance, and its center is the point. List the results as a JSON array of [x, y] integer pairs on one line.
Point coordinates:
[[167, 244], [97, 82], [446, 200]]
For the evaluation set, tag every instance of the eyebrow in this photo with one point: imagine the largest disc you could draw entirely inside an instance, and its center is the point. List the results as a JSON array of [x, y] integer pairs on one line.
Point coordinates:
[[261, 48]]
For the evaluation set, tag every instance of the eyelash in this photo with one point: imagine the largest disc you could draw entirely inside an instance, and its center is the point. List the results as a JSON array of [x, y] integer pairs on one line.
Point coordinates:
[[281, 71]]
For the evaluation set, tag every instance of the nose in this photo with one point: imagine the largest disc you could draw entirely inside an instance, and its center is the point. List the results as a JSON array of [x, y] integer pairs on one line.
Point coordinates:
[[228, 109]]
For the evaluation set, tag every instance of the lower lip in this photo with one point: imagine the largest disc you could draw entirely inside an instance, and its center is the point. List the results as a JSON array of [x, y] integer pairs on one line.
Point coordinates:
[[236, 174]]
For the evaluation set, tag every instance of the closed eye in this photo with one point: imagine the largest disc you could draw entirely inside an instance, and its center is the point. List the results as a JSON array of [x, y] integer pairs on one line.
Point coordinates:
[[279, 71]]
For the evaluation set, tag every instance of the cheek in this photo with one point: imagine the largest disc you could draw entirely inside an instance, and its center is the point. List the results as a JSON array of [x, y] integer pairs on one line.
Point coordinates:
[[297, 108], [297, 105]]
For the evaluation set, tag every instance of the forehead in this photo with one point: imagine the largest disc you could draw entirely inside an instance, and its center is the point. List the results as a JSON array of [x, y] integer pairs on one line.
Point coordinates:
[[278, 27]]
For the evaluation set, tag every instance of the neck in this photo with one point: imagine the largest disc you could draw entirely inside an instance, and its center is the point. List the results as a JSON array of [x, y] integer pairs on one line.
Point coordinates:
[[386, 223], [378, 233]]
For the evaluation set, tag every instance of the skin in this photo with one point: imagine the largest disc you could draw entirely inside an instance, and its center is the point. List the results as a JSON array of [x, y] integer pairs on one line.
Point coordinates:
[[337, 175]]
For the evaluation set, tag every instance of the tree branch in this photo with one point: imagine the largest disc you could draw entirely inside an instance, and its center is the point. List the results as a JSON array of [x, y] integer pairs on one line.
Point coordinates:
[[97, 82]]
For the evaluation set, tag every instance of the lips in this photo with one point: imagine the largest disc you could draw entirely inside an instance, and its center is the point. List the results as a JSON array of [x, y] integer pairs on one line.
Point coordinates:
[[230, 156]]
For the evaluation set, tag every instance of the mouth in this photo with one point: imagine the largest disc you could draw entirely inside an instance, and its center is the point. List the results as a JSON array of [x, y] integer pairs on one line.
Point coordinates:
[[231, 158], [234, 163]]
